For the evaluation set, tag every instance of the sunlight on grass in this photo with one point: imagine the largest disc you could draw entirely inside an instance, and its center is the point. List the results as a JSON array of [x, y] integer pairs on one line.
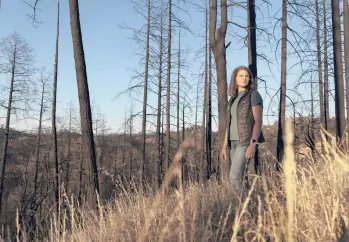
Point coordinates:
[[304, 202]]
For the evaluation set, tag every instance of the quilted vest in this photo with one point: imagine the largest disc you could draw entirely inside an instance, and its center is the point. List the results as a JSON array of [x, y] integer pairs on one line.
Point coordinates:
[[245, 119]]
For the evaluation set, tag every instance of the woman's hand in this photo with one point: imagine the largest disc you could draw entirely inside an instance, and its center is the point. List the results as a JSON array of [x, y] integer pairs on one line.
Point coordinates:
[[251, 150], [223, 154]]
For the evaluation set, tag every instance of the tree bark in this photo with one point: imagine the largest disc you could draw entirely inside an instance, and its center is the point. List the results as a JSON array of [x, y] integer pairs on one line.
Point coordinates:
[[252, 62], [217, 43], [209, 120], [338, 70], [208, 103], [203, 128], [346, 58], [319, 64], [81, 175], [158, 116], [53, 127], [38, 145], [7, 130], [84, 96], [282, 107], [130, 150], [145, 97], [168, 89], [69, 154], [184, 164], [326, 90], [178, 82]]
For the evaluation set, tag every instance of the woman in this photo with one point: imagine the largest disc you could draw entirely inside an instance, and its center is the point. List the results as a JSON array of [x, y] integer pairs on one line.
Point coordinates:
[[244, 130]]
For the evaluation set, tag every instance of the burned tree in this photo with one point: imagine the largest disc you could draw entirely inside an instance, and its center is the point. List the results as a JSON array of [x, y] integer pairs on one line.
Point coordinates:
[[83, 90], [217, 43], [16, 63]]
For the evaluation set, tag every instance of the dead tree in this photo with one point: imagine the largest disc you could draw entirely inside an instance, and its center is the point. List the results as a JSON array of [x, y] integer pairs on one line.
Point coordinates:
[[145, 96], [346, 58], [83, 90], [159, 134], [204, 109], [217, 43], [338, 70], [319, 65], [168, 89], [53, 127], [178, 83], [33, 203], [326, 89], [252, 54], [130, 156], [282, 105], [17, 55]]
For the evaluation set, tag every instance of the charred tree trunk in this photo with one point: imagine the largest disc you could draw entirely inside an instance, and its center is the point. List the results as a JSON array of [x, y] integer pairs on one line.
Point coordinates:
[[81, 175], [33, 202], [178, 80], [53, 127], [326, 90], [145, 97], [208, 101], [204, 110], [217, 43], [123, 152], [168, 89], [158, 115], [38, 145], [184, 164], [130, 150], [84, 96], [7, 131], [319, 65], [346, 58], [68, 155], [196, 133], [209, 120], [338, 70], [282, 107], [252, 59], [252, 41]]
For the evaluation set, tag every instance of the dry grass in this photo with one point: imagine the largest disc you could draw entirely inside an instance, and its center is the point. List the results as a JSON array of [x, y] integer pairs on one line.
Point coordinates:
[[305, 202]]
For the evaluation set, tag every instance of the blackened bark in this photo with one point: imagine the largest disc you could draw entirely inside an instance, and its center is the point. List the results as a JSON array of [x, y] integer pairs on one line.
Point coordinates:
[[84, 96]]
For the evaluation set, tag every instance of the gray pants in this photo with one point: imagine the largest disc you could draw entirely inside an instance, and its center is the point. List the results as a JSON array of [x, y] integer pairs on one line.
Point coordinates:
[[238, 164]]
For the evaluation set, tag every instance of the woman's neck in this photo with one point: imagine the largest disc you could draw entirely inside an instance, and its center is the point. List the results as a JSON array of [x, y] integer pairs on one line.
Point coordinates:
[[241, 89]]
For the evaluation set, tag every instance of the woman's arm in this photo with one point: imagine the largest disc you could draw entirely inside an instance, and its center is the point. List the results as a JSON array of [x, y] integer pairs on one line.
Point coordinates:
[[257, 127], [258, 121], [225, 141], [224, 146]]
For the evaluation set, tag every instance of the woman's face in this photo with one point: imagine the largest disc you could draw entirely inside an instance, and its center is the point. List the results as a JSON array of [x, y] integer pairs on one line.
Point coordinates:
[[242, 79]]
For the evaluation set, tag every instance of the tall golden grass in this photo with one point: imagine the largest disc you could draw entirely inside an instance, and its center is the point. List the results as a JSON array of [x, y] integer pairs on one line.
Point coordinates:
[[303, 202]]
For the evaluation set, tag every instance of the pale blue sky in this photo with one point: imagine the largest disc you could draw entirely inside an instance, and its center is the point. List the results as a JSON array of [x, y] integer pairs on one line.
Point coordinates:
[[109, 53]]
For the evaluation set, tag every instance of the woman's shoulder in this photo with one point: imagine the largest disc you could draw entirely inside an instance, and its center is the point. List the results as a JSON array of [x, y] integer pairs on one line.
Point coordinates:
[[255, 93], [256, 98]]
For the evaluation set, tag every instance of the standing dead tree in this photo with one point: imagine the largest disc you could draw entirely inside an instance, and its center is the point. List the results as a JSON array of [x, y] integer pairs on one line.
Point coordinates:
[[44, 82], [83, 90], [217, 43], [282, 104], [338, 70], [17, 63], [145, 95], [53, 126]]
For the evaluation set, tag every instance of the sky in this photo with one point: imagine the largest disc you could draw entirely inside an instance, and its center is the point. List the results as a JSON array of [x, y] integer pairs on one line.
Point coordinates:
[[109, 51]]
